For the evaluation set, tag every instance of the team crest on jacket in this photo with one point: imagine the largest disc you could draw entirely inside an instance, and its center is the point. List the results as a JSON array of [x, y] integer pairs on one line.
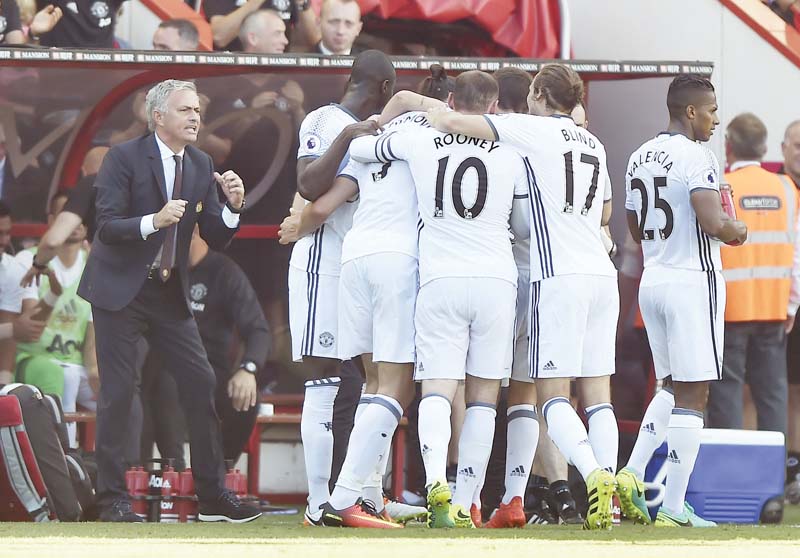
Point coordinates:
[[326, 339], [99, 10], [198, 292]]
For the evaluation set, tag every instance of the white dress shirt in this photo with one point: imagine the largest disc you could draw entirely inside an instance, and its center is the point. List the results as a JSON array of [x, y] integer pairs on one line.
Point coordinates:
[[146, 226]]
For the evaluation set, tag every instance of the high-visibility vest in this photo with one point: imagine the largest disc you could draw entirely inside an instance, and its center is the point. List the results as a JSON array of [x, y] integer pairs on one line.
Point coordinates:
[[758, 274]]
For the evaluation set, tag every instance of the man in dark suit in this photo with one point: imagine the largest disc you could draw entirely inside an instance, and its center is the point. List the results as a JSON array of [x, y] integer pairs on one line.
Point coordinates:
[[150, 193]]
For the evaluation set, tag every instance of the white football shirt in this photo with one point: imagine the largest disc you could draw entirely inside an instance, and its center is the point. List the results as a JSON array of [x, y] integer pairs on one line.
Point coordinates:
[[569, 183], [321, 251], [387, 217], [660, 178], [465, 191], [11, 294]]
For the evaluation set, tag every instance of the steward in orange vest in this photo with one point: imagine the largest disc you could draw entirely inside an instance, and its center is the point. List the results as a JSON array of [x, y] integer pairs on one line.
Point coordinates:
[[761, 282]]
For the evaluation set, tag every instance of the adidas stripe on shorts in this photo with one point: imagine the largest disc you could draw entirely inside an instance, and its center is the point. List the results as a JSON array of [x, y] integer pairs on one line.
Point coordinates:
[[684, 315], [313, 320], [573, 326]]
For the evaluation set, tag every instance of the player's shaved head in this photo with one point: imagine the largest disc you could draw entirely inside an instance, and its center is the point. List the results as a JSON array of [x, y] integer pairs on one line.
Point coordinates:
[[513, 84], [372, 67], [746, 137], [475, 91], [685, 90]]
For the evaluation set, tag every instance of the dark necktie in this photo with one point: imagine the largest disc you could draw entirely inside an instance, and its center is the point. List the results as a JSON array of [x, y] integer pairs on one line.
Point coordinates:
[[168, 250]]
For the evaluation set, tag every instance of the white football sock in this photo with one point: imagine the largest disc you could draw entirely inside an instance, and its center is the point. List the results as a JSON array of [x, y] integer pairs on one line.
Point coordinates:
[[569, 435], [316, 432], [369, 442], [362, 405], [652, 432], [683, 444], [476, 496], [474, 448], [604, 435], [522, 438], [434, 436]]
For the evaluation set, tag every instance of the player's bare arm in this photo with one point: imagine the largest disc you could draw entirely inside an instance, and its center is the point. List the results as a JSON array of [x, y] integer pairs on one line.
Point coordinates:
[[633, 225], [714, 221], [406, 101], [451, 122], [308, 219], [316, 176]]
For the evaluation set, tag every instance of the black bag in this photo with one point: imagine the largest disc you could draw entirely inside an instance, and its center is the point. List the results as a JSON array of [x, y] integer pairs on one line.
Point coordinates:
[[76, 465], [42, 423]]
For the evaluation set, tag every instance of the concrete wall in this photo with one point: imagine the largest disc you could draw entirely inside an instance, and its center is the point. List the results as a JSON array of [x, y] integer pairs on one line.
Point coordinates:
[[750, 75]]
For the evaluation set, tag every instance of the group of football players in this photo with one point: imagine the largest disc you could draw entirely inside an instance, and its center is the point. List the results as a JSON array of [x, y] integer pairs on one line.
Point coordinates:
[[458, 242]]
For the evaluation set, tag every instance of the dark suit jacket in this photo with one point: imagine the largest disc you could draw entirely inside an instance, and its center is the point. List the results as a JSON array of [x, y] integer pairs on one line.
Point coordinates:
[[355, 50], [130, 185]]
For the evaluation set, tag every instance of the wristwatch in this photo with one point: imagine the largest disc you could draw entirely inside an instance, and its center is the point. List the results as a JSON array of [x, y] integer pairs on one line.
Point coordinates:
[[38, 266], [233, 209], [249, 366]]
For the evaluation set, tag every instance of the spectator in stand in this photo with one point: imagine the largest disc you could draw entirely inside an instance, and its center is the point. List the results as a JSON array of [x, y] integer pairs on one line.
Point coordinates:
[[763, 285], [176, 34], [86, 23], [78, 209], [12, 28], [22, 189], [263, 32], [63, 361], [791, 168], [339, 24], [223, 301], [226, 17], [16, 325]]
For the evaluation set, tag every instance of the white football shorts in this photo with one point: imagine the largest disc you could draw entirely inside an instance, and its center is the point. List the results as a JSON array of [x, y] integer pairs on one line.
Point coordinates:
[[313, 320], [377, 296], [465, 325], [684, 316], [573, 326]]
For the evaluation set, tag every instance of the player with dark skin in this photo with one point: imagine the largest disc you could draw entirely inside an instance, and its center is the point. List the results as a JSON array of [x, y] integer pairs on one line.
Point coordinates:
[[693, 113], [368, 90]]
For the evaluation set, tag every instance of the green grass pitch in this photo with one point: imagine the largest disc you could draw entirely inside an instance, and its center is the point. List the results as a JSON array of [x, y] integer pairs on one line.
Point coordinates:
[[279, 536]]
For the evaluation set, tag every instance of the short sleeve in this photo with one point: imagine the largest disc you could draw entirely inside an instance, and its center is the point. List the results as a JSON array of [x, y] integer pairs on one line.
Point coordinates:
[[81, 199], [521, 183], [317, 133], [350, 168], [633, 198], [607, 181], [11, 294], [703, 171], [515, 129]]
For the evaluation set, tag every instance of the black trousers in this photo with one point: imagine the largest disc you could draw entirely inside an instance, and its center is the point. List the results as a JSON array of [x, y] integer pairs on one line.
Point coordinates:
[[160, 314], [165, 425]]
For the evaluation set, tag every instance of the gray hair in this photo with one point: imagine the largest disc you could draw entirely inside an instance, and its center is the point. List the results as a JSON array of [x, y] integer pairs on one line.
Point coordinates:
[[156, 98]]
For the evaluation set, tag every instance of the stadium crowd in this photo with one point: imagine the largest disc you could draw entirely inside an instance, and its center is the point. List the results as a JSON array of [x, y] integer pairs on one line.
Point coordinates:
[[51, 339]]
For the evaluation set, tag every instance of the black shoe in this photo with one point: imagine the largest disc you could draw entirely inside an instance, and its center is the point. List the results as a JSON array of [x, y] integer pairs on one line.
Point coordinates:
[[120, 511], [537, 508], [562, 502], [227, 507]]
